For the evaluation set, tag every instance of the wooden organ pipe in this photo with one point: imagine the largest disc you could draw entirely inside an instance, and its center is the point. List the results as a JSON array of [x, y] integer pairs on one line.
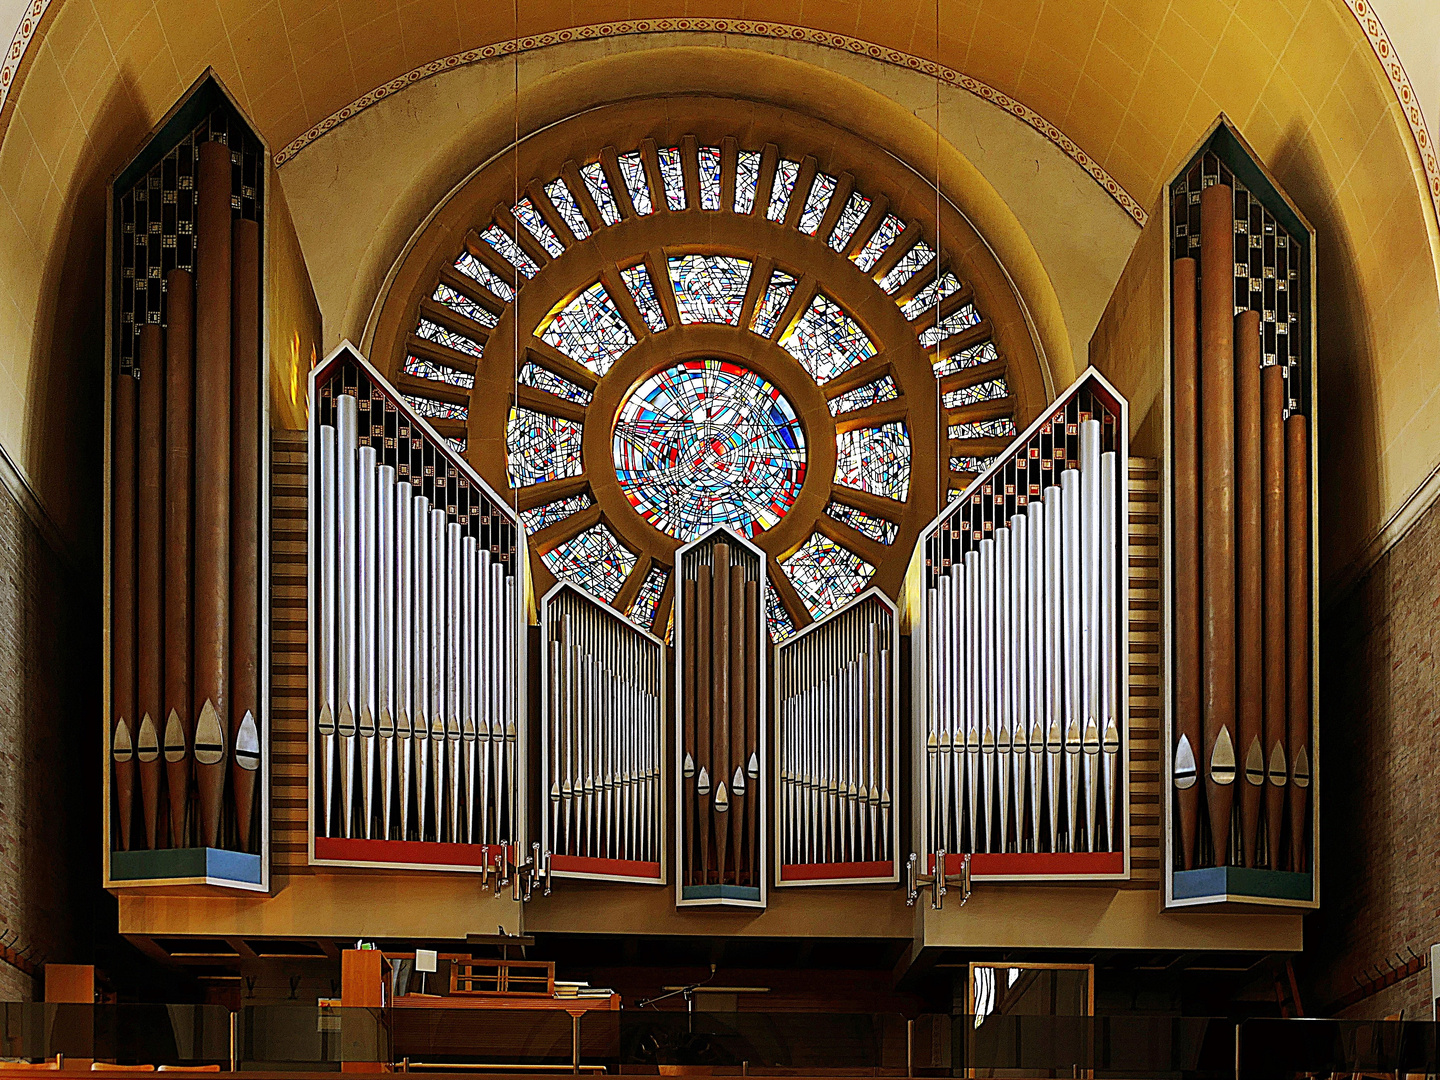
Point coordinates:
[[688, 766], [1217, 503], [150, 580], [1272, 457], [122, 601], [720, 704], [700, 690], [738, 663], [1186, 451], [752, 726], [245, 523], [179, 469], [212, 480], [1297, 576], [1250, 656]]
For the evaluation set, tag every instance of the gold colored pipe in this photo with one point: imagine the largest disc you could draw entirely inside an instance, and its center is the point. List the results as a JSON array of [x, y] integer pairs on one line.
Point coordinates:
[[1250, 652], [1186, 451], [1297, 573], [150, 578], [179, 474], [122, 601], [1272, 456]]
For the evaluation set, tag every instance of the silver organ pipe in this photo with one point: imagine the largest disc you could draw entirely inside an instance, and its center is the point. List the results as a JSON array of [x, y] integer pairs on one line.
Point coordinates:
[[1020, 652], [418, 628], [601, 728], [836, 732]]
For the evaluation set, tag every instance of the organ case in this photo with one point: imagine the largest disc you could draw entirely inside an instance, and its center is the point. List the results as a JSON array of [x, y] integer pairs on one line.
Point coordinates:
[[603, 776], [417, 653], [187, 680], [720, 656], [1241, 572], [1018, 655]]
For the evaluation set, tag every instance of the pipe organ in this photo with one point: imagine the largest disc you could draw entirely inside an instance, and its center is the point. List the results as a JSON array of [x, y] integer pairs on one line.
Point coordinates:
[[187, 722], [1018, 654], [720, 796], [417, 645], [1241, 407], [603, 733], [836, 747]]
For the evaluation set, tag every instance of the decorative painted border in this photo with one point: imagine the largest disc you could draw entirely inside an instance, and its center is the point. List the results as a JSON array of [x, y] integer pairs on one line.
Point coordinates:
[[29, 23], [1404, 92], [947, 75]]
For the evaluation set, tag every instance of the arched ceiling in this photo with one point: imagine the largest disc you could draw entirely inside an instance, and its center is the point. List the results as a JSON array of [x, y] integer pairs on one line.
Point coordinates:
[[1130, 83]]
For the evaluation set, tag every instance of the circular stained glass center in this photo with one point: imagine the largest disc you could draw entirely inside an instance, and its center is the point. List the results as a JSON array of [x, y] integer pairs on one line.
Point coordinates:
[[705, 443]]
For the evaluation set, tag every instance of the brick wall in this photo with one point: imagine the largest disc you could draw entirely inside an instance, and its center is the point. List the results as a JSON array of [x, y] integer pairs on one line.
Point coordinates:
[[49, 748], [1380, 781]]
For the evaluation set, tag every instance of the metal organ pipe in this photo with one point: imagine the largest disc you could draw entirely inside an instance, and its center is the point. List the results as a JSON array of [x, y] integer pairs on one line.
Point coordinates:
[[404, 634], [385, 616], [366, 649], [1110, 661], [1091, 631], [420, 718], [326, 688], [1074, 651], [1055, 659], [347, 549]]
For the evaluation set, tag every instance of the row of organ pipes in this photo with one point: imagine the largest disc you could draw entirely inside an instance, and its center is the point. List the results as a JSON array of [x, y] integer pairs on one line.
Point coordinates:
[[1242, 570], [418, 656], [1022, 639], [185, 573], [721, 794], [836, 799], [604, 736]]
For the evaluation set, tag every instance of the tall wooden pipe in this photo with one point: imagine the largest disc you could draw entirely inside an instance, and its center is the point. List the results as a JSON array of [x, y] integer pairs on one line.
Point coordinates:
[[150, 578], [752, 725], [122, 602], [689, 765], [720, 706], [739, 789], [212, 481], [1217, 508], [179, 470], [245, 522], [1250, 656], [1186, 450], [1272, 465], [1297, 576], [700, 690]]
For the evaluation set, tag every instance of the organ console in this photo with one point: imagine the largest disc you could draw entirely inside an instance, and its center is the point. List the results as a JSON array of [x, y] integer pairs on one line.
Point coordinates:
[[417, 644], [1018, 654]]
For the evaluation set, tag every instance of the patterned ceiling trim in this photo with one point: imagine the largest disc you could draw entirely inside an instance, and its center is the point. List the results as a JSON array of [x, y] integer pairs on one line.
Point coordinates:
[[1400, 83], [743, 27], [29, 23]]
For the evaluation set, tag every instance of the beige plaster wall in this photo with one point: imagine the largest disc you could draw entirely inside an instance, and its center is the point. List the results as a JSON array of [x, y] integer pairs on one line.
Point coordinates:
[[1057, 231]]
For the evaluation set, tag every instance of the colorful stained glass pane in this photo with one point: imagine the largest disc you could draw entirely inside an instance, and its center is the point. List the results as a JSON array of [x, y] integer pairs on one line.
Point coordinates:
[[780, 623], [440, 335], [568, 209], [538, 227], [1003, 427], [540, 378], [594, 560], [541, 447], [647, 600], [642, 291], [826, 340], [938, 289], [709, 288], [747, 175], [458, 445], [882, 238], [542, 517], [705, 443], [590, 330], [989, 390], [672, 175], [867, 524], [632, 169], [505, 245], [786, 173], [481, 274], [772, 304], [429, 369], [822, 189], [436, 410], [862, 397], [983, 353], [856, 207], [825, 574], [461, 304], [598, 184], [970, 464], [961, 319], [910, 264], [708, 160], [875, 460]]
